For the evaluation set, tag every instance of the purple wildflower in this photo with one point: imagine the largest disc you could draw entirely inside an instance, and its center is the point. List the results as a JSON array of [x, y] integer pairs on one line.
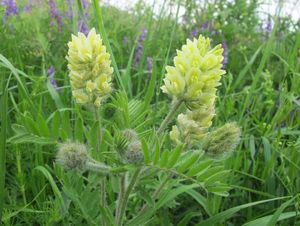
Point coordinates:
[[210, 27], [140, 46], [51, 72], [194, 33], [205, 26], [149, 64], [28, 7], [11, 8], [85, 4], [225, 53], [82, 26], [55, 14], [69, 13]]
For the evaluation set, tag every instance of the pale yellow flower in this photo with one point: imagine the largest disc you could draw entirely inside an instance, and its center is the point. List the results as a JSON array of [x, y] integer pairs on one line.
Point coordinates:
[[90, 70], [196, 73], [192, 126]]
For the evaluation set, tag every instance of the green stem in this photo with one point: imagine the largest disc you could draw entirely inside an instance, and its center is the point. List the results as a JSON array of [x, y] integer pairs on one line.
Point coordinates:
[[20, 174], [97, 120], [103, 181], [120, 196], [123, 202], [170, 116], [3, 114]]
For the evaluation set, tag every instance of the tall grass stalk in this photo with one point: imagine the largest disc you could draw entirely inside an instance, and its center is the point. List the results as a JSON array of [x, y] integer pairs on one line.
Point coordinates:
[[3, 117], [106, 42]]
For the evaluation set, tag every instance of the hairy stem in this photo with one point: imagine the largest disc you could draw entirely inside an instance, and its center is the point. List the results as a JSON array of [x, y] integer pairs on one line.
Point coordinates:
[[170, 116], [120, 196], [103, 181], [123, 202]]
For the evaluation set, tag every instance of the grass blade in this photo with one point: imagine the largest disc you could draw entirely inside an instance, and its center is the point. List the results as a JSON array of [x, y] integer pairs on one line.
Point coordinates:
[[3, 114]]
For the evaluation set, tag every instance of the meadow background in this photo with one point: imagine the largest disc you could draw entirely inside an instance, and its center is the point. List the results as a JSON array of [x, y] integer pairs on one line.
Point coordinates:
[[260, 91]]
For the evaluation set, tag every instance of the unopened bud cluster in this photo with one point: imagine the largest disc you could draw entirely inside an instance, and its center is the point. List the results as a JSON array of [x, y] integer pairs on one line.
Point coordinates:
[[133, 153], [74, 156], [222, 140]]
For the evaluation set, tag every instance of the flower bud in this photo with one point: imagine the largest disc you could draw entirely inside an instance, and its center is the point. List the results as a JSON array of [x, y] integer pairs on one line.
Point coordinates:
[[134, 152], [75, 156], [72, 156], [222, 140], [129, 134], [191, 127]]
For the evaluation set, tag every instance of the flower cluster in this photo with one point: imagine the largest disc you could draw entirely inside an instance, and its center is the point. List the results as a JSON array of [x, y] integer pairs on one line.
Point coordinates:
[[196, 74], [82, 26], [225, 53], [194, 33], [55, 14], [194, 79], [51, 72], [69, 12], [11, 8], [192, 126], [140, 46], [133, 153], [90, 70]]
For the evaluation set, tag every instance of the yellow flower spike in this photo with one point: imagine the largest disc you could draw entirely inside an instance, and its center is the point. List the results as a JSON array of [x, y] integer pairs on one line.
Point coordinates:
[[193, 79], [196, 68], [90, 70]]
